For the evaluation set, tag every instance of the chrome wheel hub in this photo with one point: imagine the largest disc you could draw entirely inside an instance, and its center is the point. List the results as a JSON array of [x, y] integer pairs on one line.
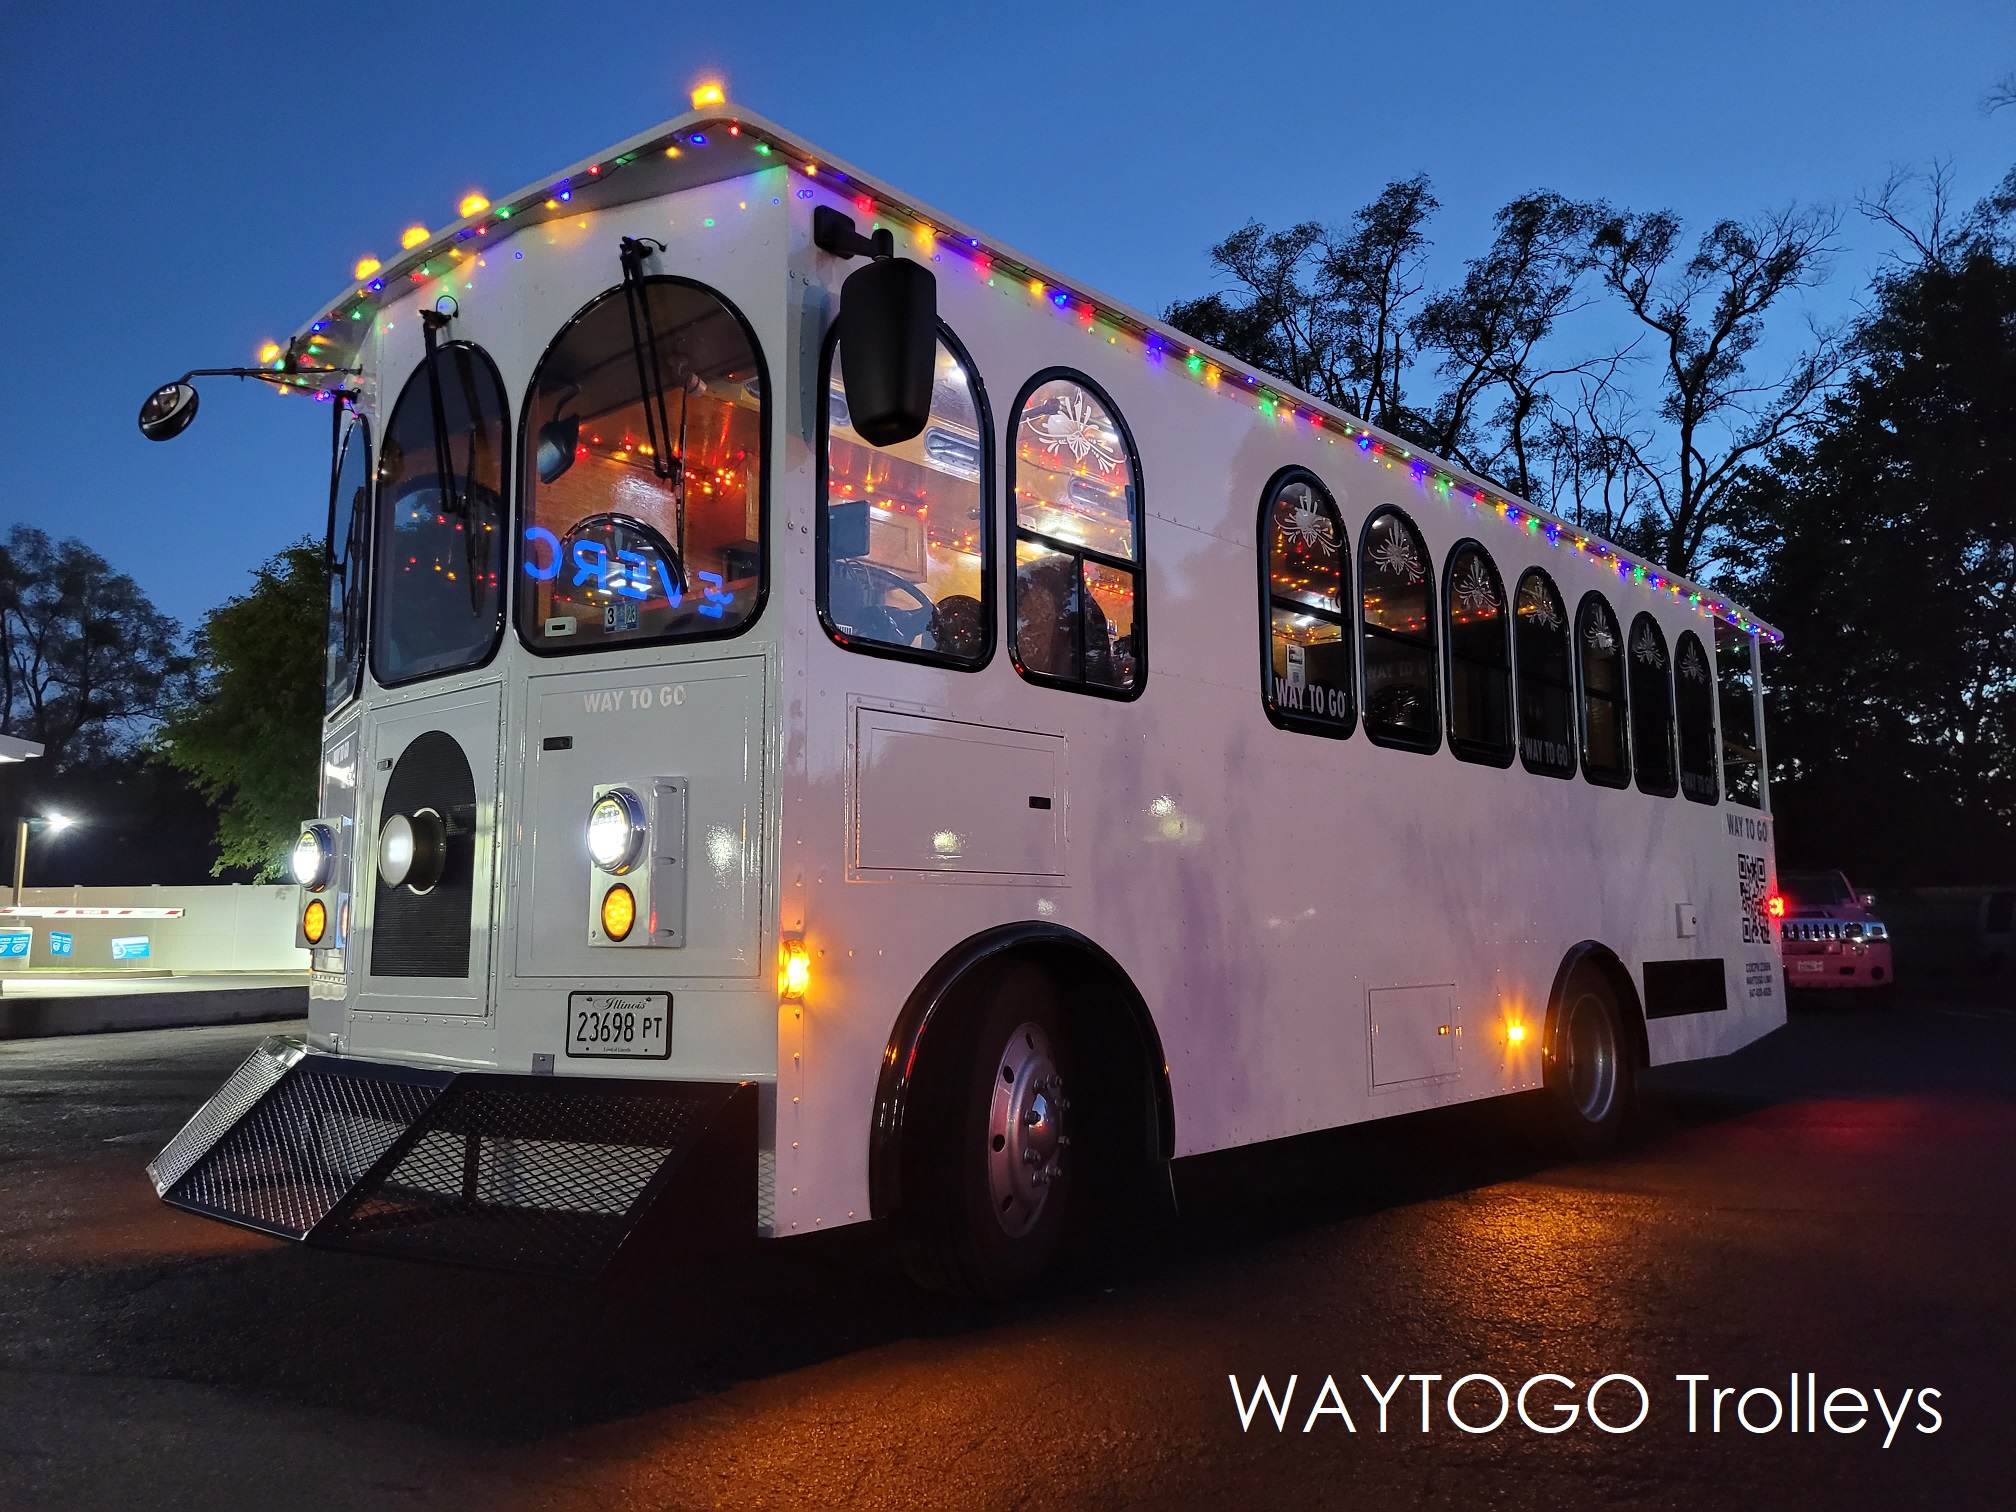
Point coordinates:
[[1025, 1130], [1590, 1043]]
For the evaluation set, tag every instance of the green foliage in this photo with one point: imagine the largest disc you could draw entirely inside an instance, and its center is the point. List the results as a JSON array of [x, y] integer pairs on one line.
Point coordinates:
[[250, 740]]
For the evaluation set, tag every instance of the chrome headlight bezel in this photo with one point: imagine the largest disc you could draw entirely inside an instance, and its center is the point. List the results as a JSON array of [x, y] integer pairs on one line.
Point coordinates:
[[616, 831], [313, 857]]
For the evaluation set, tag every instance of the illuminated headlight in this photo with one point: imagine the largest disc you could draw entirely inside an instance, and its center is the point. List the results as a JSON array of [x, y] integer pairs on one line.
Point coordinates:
[[412, 850], [313, 855], [616, 831]]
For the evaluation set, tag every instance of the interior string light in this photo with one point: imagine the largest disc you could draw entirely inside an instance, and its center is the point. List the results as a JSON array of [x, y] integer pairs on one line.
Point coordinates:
[[987, 262]]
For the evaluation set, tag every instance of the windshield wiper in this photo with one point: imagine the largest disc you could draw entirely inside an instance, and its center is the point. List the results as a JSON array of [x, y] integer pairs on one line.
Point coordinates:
[[666, 460], [454, 503]]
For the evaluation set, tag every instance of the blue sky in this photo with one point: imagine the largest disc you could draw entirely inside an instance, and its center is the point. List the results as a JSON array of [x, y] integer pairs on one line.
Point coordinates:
[[184, 181]]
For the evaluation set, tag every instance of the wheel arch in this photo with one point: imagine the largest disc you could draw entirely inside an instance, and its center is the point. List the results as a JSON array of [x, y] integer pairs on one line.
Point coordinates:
[[1602, 958], [1054, 948]]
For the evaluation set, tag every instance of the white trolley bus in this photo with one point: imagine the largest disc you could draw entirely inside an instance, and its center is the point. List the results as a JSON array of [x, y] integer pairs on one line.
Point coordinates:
[[829, 716]]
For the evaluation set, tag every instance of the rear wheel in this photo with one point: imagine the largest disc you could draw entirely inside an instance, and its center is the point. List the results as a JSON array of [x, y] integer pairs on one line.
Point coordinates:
[[987, 1168], [1591, 1080]]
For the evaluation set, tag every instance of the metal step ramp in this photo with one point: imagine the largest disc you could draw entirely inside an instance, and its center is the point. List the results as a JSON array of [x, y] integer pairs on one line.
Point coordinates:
[[521, 1173]]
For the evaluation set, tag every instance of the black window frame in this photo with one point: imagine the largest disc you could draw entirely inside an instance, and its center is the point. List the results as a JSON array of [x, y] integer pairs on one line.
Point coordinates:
[[1289, 719], [1663, 670], [357, 558], [1376, 733], [1601, 776], [520, 507], [1080, 554], [989, 603], [1712, 772], [506, 512], [1480, 753], [1750, 674], [1568, 686]]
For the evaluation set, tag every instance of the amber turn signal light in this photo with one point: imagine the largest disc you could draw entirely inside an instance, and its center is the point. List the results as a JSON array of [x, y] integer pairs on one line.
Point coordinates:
[[794, 971], [619, 912], [315, 921]]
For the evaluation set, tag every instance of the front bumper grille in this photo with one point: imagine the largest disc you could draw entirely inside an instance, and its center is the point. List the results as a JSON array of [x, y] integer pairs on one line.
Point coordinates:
[[523, 1173]]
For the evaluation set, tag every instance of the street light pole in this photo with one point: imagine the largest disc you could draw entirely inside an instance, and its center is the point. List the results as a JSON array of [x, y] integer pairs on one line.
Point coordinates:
[[54, 822]]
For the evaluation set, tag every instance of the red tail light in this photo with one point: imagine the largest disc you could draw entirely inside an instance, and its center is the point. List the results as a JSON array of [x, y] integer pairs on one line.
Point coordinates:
[[1775, 905]]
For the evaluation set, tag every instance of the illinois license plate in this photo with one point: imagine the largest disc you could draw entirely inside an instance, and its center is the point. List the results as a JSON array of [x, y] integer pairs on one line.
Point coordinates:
[[620, 1025]]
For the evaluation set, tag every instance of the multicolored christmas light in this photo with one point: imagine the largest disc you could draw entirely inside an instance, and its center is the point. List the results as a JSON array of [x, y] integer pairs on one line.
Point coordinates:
[[1001, 270]]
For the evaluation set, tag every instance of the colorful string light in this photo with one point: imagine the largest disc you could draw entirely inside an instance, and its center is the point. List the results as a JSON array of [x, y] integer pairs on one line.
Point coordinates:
[[1003, 272]]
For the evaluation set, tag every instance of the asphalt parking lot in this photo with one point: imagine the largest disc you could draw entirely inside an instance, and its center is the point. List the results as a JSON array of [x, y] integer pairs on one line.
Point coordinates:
[[1839, 1199]]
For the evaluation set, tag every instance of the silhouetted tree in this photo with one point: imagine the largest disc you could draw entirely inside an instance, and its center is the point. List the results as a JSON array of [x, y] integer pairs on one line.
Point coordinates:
[[1885, 547]]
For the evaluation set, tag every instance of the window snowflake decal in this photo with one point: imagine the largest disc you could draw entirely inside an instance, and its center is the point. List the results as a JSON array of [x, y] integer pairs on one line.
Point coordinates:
[[1300, 517], [1646, 649], [1396, 556], [1692, 666], [1536, 604], [1078, 426], [1601, 638], [1474, 591]]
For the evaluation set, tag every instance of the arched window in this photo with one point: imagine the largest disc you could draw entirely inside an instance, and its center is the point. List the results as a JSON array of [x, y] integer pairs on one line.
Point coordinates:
[[1399, 615], [1606, 734], [1077, 606], [1742, 727], [439, 590], [1480, 657], [1306, 671], [644, 445], [1694, 686], [349, 565], [1651, 677], [906, 539], [1546, 677]]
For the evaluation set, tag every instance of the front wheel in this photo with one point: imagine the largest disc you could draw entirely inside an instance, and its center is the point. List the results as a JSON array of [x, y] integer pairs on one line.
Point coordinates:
[[988, 1160], [1591, 1078]]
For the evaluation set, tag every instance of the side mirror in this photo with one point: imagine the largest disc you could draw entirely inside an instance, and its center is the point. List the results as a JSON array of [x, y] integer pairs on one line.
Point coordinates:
[[889, 348], [168, 411], [557, 441]]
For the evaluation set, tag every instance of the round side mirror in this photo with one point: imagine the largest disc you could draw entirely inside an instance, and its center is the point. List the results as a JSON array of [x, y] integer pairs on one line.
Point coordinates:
[[557, 441], [168, 411]]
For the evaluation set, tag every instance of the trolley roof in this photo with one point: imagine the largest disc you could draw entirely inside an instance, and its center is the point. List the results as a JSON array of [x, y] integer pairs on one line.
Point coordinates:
[[723, 142]]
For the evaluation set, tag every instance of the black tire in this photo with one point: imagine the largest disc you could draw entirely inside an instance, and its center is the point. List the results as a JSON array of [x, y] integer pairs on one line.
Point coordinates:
[[987, 1168], [1592, 1075]]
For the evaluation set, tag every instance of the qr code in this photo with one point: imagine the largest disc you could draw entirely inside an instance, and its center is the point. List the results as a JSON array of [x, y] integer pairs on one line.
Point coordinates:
[[1750, 883]]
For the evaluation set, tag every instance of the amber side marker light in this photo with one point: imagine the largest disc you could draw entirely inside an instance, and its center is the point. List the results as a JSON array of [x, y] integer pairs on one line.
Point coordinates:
[[619, 912], [794, 971], [1516, 1033], [315, 921]]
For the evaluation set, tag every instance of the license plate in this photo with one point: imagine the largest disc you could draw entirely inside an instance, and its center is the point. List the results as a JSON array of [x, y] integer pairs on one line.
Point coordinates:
[[1810, 965], [620, 1025]]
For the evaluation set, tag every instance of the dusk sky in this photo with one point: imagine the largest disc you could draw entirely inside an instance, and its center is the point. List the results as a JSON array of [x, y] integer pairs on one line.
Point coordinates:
[[187, 181]]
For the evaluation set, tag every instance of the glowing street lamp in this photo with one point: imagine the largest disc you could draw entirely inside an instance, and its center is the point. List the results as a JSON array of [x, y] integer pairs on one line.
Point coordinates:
[[54, 823]]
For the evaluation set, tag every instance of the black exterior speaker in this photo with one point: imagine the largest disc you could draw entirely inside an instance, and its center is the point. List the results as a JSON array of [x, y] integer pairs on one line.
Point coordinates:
[[889, 348], [426, 934]]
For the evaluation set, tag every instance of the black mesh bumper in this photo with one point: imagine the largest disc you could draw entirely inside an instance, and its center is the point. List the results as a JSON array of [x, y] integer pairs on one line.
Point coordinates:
[[525, 1173]]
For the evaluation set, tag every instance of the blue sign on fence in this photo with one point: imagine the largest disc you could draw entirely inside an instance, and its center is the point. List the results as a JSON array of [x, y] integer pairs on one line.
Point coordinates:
[[131, 948], [15, 943], [60, 944]]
